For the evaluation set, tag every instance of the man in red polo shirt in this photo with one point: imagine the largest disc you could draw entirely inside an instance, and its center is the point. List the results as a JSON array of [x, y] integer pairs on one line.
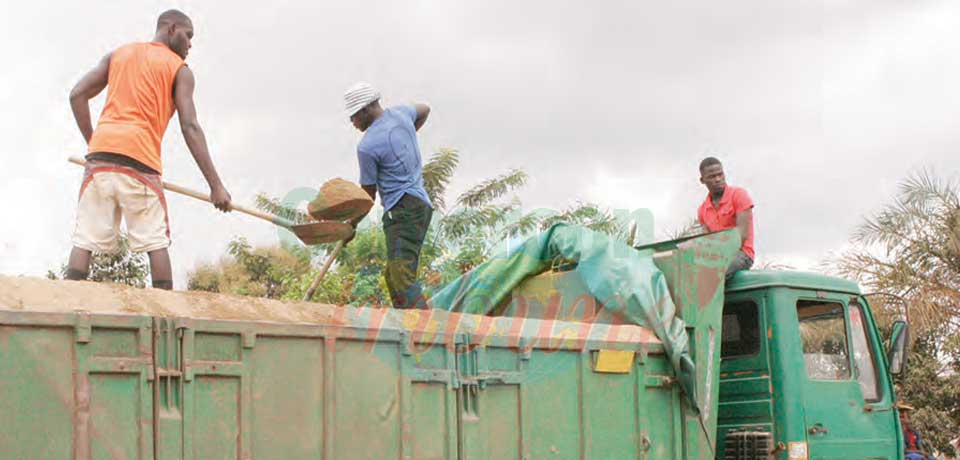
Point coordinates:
[[727, 207]]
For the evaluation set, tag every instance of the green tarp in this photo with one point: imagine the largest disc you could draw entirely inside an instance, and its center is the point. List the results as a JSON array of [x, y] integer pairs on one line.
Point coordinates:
[[623, 280]]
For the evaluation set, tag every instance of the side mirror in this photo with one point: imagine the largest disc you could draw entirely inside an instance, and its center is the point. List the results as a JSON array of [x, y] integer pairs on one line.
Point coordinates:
[[897, 354]]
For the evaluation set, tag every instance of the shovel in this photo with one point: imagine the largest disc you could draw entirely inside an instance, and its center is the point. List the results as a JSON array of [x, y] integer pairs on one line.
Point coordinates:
[[312, 233], [323, 271]]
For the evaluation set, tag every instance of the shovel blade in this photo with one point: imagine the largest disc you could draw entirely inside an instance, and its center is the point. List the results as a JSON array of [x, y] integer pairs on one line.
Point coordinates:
[[322, 232]]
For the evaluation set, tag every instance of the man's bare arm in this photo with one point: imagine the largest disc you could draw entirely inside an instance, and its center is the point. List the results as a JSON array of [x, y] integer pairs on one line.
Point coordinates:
[[88, 88], [193, 135], [745, 224], [423, 111]]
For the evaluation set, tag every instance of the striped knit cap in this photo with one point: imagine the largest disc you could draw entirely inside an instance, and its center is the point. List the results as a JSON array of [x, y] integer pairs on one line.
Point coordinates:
[[359, 96]]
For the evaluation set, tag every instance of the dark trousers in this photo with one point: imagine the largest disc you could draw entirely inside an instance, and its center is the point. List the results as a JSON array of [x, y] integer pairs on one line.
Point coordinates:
[[405, 227], [740, 262]]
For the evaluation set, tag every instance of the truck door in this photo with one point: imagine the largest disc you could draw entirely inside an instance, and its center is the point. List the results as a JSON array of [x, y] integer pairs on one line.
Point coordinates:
[[848, 412]]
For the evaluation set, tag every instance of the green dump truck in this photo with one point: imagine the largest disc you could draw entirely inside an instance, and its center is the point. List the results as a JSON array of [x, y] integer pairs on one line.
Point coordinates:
[[781, 365]]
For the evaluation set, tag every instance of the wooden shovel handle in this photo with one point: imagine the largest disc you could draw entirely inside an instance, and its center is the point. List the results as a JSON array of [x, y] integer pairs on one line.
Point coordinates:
[[323, 271], [205, 197]]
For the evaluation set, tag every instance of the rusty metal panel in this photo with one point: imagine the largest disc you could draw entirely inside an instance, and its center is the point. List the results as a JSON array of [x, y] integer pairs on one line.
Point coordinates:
[[75, 386], [37, 398], [247, 390], [287, 397], [367, 389], [429, 432], [167, 390], [263, 390], [550, 407], [490, 422]]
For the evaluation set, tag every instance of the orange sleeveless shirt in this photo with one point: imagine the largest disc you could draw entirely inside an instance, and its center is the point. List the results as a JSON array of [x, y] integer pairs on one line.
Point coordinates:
[[139, 102]]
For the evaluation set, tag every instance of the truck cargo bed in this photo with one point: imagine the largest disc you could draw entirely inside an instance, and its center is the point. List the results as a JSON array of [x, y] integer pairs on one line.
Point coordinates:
[[100, 371]]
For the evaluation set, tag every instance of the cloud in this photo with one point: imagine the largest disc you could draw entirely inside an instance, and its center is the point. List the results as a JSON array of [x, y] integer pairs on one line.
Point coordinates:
[[818, 109]]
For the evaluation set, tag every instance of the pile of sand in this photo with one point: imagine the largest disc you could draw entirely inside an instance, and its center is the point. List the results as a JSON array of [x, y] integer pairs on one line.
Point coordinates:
[[340, 200], [38, 294], [23, 294]]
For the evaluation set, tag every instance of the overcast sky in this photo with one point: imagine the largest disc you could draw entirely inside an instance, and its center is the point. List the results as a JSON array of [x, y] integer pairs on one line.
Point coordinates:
[[819, 109]]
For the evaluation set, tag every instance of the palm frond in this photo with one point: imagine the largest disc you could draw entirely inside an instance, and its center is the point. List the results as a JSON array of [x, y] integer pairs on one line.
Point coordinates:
[[690, 228], [491, 189], [437, 173], [910, 250], [586, 214], [466, 221], [524, 225]]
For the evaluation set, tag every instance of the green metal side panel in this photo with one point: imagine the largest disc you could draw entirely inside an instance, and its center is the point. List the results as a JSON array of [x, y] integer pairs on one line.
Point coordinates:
[[266, 390], [277, 403], [430, 420], [75, 386], [661, 413], [491, 427], [37, 386], [551, 413], [248, 390], [367, 390]]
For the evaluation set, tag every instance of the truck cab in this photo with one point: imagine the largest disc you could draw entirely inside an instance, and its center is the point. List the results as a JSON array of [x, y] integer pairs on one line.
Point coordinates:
[[803, 372]]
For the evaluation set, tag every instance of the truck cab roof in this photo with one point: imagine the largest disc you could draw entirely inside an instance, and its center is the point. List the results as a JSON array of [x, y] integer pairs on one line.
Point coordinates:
[[756, 279]]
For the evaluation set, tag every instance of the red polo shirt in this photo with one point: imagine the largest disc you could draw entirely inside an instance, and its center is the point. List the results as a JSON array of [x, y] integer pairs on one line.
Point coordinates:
[[724, 216]]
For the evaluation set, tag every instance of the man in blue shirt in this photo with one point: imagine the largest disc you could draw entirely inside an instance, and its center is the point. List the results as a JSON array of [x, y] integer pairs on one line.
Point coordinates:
[[390, 163]]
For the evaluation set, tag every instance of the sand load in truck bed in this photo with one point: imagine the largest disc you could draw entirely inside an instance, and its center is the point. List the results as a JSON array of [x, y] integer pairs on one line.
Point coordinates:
[[26, 294], [36, 294]]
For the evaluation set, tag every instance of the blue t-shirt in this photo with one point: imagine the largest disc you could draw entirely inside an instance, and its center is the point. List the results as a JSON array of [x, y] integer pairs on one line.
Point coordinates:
[[390, 157]]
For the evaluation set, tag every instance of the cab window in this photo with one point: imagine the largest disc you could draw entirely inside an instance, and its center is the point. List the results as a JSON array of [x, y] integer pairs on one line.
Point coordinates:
[[741, 330], [864, 360], [824, 339]]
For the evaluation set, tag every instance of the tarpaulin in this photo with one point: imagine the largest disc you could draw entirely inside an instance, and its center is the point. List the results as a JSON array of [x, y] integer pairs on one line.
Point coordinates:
[[622, 279]]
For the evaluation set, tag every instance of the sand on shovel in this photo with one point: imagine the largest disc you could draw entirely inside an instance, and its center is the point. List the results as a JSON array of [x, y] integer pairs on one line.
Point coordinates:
[[340, 200]]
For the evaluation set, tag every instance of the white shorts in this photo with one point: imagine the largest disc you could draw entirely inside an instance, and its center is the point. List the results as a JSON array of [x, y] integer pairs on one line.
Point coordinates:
[[110, 192]]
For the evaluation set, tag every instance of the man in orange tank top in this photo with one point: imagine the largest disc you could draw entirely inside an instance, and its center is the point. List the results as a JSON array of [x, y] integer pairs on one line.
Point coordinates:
[[146, 83]]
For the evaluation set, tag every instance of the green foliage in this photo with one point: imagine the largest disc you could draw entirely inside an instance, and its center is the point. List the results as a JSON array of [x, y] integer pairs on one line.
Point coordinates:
[[931, 384], [458, 240], [122, 267], [907, 256], [587, 214], [492, 189], [262, 272], [910, 251], [437, 174], [357, 278]]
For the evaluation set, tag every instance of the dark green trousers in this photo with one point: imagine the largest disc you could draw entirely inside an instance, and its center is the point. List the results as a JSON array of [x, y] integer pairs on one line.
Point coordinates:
[[405, 227]]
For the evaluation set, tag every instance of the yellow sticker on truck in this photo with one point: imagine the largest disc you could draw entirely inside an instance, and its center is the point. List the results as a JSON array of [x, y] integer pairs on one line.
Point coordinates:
[[614, 361]]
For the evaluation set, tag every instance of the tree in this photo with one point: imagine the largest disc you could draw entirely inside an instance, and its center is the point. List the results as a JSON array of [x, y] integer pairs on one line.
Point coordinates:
[[909, 252], [931, 384], [269, 272], [123, 267], [907, 256], [463, 232]]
